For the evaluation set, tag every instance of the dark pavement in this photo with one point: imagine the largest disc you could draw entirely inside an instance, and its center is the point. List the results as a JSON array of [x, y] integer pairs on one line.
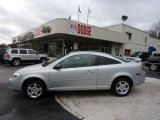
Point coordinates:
[[152, 74], [15, 106]]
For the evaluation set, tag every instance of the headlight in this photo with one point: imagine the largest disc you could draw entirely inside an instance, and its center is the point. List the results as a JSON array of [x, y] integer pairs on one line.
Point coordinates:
[[15, 75]]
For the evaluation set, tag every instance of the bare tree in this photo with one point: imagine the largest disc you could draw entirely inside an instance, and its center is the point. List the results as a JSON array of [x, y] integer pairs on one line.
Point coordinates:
[[155, 30]]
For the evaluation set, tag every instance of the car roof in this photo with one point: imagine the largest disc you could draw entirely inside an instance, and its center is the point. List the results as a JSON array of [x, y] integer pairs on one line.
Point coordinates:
[[87, 52], [20, 48], [92, 52]]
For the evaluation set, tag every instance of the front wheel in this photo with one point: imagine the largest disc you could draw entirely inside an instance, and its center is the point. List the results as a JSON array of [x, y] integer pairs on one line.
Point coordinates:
[[43, 60], [121, 87], [34, 90]]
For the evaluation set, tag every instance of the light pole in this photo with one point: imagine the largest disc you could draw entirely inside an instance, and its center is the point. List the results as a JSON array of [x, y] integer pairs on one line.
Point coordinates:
[[124, 18]]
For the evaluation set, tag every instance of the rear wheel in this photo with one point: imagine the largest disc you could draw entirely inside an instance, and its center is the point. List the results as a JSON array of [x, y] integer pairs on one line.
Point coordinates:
[[16, 62], [121, 87], [153, 67], [34, 89]]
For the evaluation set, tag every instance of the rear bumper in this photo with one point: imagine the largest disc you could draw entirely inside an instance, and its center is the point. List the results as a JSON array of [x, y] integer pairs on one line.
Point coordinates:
[[139, 79], [7, 59]]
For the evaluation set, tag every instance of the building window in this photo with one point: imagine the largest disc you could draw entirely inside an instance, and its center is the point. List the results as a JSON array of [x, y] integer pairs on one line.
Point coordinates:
[[106, 47], [145, 39], [129, 35], [127, 52], [117, 51]]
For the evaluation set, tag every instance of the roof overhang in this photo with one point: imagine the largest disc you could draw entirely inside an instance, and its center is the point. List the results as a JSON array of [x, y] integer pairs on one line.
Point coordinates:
[[70, 27]]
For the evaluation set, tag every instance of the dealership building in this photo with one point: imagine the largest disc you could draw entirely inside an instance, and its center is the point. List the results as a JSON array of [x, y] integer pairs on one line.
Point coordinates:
[[61, 36]]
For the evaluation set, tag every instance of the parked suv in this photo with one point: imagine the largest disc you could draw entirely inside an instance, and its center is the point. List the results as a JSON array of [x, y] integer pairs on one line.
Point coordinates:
[[16, 56], [153, 63]]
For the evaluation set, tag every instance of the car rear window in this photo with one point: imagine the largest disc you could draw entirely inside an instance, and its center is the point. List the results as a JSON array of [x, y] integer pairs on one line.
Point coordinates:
[[14, 51], [106, 61]]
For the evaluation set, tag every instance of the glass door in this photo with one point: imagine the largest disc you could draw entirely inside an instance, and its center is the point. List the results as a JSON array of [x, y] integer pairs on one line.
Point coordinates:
[[56, 48], [52, 49]]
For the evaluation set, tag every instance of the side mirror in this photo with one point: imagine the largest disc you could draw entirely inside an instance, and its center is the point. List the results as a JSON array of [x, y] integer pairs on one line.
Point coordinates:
[[57, 67], [36, 53]]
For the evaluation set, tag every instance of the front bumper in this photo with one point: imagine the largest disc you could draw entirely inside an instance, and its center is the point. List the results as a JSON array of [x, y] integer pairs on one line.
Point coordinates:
[[14, 84]]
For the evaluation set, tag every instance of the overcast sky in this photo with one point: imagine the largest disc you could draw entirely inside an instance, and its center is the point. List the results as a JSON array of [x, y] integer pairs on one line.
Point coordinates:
[[18, 16]]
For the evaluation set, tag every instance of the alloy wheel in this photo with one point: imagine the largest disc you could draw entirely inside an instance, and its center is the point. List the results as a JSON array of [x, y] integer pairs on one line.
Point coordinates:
[[122, 87], [16, 62], [34, 90], [43, 60], [153, 67]]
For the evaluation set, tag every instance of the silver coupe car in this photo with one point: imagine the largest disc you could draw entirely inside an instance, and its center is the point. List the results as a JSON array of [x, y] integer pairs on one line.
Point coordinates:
[[79, 71]]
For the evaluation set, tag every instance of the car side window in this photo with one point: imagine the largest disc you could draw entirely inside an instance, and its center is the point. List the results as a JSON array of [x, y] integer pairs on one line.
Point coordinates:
[[32, 52], [14, 51], [106, 61], [83, 60], [23, 51]]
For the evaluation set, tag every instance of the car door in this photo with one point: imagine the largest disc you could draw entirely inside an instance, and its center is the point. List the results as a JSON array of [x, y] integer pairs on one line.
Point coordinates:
[[107, 67], [32, 55], [23, 55], [76, 72]]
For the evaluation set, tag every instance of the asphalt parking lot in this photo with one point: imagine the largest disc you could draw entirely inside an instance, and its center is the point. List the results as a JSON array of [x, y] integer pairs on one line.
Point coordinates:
[[143, 102], [15, 106]]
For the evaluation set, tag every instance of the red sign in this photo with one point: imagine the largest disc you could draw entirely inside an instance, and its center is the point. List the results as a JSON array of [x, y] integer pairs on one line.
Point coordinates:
[[84, 30], [80, 29]]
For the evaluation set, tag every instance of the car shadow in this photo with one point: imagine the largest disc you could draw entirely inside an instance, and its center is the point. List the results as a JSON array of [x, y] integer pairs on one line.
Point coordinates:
[[15, 106], [152, 74], [21, 65], [96, 93]]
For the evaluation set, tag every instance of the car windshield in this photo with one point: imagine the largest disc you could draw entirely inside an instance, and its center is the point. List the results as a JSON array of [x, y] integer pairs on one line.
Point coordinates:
[[49, 62]]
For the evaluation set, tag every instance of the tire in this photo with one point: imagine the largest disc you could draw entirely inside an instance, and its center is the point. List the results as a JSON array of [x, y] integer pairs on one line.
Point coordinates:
[[16, 62], [43, 60], [3, 61], [34, 89], [153, 67], [121, 87]]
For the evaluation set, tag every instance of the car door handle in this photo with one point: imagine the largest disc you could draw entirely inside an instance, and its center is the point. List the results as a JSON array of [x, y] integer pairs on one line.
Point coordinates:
[[90, 71]]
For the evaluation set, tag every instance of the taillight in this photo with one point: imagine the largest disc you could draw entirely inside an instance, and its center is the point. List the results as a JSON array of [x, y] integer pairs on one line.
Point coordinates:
[[6, 55]]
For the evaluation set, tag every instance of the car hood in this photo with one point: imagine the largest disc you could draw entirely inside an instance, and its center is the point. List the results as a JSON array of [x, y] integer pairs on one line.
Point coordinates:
[[31, 69]]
